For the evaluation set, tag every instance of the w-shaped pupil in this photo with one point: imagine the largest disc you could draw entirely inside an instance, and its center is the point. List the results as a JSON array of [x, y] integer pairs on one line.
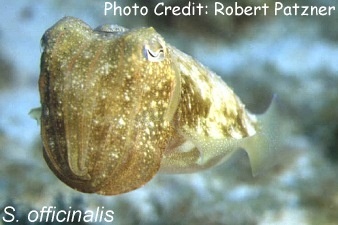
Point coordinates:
[[154, 56]]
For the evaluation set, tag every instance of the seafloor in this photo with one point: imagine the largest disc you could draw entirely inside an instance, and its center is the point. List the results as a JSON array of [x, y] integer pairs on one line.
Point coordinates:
[[295, 58]]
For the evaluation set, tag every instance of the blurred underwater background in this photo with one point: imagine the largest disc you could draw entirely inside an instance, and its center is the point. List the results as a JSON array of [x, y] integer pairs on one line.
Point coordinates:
[[294, 57]]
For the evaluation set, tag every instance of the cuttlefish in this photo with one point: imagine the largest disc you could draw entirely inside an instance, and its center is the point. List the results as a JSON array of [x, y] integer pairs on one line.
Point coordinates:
[[119, 105]]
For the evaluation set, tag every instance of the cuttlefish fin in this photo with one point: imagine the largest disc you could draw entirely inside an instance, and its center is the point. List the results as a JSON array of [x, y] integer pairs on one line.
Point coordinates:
[[263, 147], [35, 113]]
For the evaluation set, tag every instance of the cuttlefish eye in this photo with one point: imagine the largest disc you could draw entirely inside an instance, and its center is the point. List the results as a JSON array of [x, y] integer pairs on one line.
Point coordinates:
[[154, 52], [111, 28]]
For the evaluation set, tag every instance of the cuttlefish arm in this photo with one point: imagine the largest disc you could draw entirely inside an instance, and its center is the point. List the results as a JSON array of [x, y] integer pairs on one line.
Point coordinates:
[[211, 123], [263, 147]]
